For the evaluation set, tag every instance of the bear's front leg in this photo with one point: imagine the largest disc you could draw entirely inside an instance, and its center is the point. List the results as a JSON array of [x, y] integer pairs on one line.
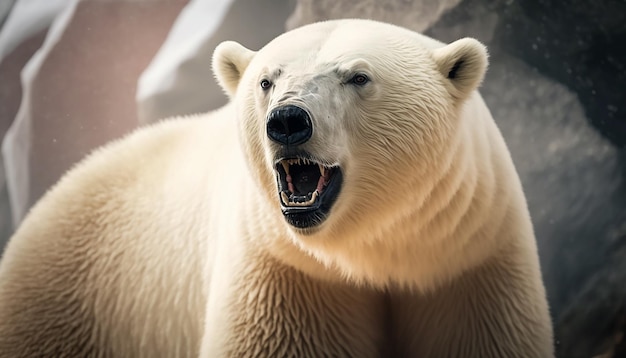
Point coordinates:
[[496, 310], [259, 307]]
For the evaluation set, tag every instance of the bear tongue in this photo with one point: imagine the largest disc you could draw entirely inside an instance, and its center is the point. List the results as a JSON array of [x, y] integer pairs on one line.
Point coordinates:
[[321, 182], [290, 184]]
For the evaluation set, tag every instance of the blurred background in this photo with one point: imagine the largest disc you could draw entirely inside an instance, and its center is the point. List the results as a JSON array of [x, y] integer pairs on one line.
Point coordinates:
[[77, 74]]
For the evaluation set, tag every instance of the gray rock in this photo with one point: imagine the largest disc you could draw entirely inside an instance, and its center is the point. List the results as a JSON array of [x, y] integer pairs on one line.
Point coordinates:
[[415, 15], [578, 43]]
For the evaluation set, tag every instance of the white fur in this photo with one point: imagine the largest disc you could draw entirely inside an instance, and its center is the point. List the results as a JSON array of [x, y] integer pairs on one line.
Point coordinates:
[[171, 242]]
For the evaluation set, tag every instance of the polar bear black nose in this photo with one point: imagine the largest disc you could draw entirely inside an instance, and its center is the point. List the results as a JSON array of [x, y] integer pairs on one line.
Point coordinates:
[[289, 125]]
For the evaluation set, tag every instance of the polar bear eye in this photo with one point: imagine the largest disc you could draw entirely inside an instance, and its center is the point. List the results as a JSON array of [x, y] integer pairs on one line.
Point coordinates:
[[265, 84], [360, 79]]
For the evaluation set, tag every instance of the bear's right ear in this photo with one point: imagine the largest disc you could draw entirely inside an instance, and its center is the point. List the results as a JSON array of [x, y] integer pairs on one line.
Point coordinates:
[[464, 64], [230, 60]]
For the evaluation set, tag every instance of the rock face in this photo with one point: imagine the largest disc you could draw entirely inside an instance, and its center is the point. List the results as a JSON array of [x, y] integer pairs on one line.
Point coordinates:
[[416, 15], [190, 87], [580, 44], [556, 88]]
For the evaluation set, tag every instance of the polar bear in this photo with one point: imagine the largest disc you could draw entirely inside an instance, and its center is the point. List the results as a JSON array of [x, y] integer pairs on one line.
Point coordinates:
[[354, 199]]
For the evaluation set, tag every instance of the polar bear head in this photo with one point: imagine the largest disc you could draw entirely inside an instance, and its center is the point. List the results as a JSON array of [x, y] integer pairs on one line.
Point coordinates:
[[342, 120]]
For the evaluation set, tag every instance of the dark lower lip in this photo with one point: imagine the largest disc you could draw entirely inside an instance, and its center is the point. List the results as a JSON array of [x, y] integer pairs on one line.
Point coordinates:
[[309, 217]]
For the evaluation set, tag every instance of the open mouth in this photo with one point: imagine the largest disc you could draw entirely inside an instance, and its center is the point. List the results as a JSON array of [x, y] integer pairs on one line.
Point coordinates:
[[306, 190]]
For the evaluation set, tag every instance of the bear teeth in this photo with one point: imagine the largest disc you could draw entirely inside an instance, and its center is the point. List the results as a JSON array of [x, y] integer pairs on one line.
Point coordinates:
[[290, 201]]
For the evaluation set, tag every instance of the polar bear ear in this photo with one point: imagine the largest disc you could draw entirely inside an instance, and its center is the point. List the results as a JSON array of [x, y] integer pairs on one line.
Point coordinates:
[[464, 64], [230, 60]]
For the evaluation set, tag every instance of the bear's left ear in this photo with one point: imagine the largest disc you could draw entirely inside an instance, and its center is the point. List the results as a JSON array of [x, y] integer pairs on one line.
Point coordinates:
[[230, 60], [463, 63]]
